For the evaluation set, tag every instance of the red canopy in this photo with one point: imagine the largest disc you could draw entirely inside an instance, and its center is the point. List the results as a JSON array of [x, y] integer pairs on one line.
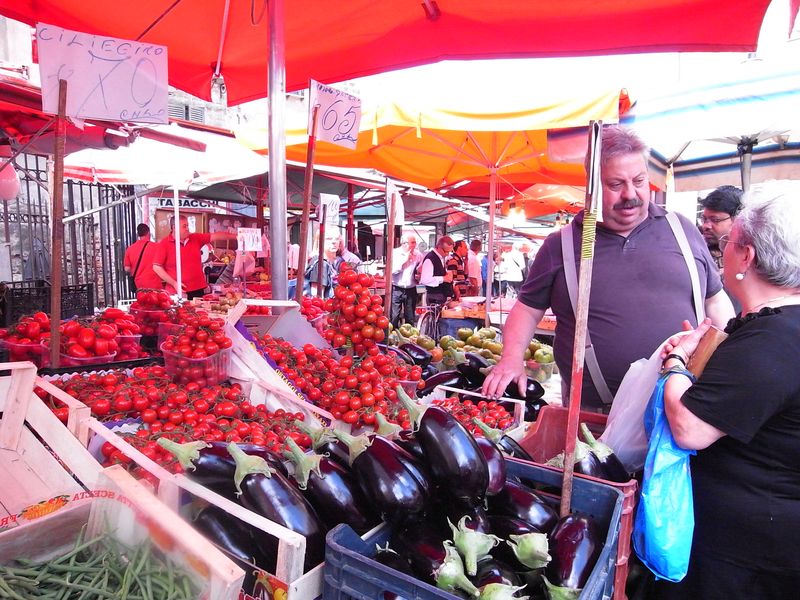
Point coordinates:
[[335, 41]]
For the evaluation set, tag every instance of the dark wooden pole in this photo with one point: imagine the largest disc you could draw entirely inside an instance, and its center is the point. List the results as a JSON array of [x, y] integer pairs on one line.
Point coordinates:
[[57, 224], [320, 264], [307, 189]]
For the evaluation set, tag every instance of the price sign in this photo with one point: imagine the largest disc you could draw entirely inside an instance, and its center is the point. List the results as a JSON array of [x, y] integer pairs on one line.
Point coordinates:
[[108, 78], [338, 115], [249, 239], [333, 203]]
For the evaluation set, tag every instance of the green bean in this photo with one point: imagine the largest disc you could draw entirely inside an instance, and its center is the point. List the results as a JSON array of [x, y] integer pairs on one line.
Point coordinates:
[[7, 592]]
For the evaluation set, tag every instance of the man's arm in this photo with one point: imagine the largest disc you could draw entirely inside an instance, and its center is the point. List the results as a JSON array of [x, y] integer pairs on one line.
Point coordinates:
[[719, 309], [127, 262], [427, 277], [518, 331], [221, 236], [162, 273]]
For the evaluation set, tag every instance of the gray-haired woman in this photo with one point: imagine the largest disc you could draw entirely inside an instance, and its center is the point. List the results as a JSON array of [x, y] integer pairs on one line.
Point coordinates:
[[743, 416]]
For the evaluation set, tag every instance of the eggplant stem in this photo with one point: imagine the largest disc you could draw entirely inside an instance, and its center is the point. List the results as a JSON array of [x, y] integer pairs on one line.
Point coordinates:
[[415, 411], [319, 436], [557, 592], [600, 449], [355, 444], [450, 574], [472, 545], [304, 463], [386, 429], [491, 434], [247, 465], [185, 453]]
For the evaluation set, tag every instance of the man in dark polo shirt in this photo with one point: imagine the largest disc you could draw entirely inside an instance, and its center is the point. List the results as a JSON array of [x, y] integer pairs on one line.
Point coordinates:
[[434, 275], [641, 288], [192, 277]]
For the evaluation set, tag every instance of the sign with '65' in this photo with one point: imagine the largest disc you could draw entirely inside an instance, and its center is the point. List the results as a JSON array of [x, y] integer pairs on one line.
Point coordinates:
[[338, 115]]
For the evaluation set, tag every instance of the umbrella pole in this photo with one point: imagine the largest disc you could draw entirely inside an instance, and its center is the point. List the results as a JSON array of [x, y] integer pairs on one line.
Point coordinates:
[[581, 317], [490, 249], [309, 182], [277, 150], [57, 225], [745, 148]]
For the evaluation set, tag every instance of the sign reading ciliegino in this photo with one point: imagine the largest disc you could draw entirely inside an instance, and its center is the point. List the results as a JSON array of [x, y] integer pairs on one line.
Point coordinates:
[[107, 78]]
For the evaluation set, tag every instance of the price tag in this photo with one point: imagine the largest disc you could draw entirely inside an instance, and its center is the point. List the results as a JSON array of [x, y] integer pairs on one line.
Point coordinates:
[[338, 115], [108, 78], [249, 239]]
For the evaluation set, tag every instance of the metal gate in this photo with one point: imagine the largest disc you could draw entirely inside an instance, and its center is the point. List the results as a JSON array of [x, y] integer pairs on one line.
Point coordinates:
[[94, 244]]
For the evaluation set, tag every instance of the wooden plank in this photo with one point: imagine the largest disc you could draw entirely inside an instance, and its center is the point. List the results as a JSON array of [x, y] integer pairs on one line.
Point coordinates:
[[19, 396], [44, 538], [77, 409], [57, 224]]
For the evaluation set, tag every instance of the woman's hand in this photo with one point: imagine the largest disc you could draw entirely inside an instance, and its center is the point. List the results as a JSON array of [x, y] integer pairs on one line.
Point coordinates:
[[684, 344]]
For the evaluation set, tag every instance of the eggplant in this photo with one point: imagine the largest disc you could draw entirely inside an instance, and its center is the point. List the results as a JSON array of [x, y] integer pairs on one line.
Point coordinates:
[[533, 407], [450, 378], [522, 503], [471, 368], [611, 465], [331, 489], [268, 493], [491, 570], [533, 390], [389, 558], [450, 575], [429, 372], [325, 443], [237, 539], [586, 463], [472, 544], [505, 443], [408, 442], [392, 480], [496, 464], [455, 461], [504, 527], [576, 543], [422, 547], [401, 354], [451, 510], [418, 354]]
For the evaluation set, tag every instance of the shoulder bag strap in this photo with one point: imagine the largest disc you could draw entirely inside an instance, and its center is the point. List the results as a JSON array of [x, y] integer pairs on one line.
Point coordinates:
[[683, 243], [571, 275], [138, 262]]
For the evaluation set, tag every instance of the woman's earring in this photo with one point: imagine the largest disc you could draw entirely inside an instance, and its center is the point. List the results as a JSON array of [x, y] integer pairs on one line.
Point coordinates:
[[739, 276]]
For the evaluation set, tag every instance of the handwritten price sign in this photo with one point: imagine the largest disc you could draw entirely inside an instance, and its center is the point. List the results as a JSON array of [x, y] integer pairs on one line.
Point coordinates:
[[249, 239], [338, 115], [108, 78]]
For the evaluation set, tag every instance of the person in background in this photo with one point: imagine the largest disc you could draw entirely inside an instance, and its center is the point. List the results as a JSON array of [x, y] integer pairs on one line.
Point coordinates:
[[343, 255], [742, 415], [720, 208], [512, 268], [138, 261], [433, 274], [241, 267], [405, 260], [457, 263], [475, 268], [642, 292], [193, 279], [330, 272]]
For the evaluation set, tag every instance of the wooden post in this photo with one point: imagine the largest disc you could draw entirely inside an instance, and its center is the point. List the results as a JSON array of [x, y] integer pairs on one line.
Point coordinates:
[[490, 249], [307, 189], [57, 225], [581, 317], [350, 229], [320, 264], [387, 273]]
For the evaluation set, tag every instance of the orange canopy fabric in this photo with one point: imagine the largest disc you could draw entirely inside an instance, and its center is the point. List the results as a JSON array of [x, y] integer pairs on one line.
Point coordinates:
[[335, 41]]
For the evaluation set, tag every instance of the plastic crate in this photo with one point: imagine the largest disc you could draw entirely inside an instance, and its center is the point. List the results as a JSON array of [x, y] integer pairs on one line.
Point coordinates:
[[350, 572], [25, 297], [545, 439]]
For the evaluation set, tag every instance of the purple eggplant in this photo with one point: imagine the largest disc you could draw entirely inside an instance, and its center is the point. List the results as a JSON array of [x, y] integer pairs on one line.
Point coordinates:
[[401, 354], [418, 354], [491, 570], [449, 378], [455, 461], [393, 481], [611, 465], [323, 442], [452, 510], [496, 464], [533, 407], [429, 372], [504, 527], [268, 493], [533, 389], [471, 369], [331, 489], [504, 442], [389, 558], [522, 503], [576, 543], [411, 444], [237, 539], [422, 547]]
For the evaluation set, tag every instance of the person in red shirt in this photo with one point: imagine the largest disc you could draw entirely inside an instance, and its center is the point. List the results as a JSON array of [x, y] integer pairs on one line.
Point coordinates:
[[138, 262], [192, 277]]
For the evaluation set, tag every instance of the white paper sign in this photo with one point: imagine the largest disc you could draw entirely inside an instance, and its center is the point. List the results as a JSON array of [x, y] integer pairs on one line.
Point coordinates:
[[332, 202], [107, 78], [338, 115], [249, 239]]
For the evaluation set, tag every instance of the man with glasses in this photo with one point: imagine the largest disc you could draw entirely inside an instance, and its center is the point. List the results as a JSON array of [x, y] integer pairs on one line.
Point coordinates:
[[434, 275], [719, 210]]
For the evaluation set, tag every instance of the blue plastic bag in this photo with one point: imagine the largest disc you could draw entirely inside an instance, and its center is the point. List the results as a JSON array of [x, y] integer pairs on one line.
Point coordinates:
[[664, 524]]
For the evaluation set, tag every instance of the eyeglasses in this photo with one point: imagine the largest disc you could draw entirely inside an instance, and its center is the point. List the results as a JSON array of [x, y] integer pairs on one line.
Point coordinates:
[[702, 220], [724, 241]]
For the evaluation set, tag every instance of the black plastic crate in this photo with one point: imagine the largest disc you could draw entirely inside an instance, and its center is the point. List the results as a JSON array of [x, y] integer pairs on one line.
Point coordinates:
[[21, 298], [351, 574]]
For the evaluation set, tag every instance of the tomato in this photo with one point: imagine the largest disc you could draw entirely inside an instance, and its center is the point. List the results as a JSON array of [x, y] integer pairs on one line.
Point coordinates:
[[350, 416], [226, 409], [101, 347], [77, 351], [71, 328], [106, 332], [122, 403], [86, 338]]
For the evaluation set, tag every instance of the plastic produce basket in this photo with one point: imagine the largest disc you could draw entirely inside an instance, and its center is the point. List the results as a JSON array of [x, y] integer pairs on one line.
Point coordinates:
[[205, 371], [129, 346], [24, 297], [38, 353], [73, 361], [350, 572]]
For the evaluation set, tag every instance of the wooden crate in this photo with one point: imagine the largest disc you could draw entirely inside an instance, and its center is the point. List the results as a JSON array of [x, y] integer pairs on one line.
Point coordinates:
[[126, 510], [43, 464]]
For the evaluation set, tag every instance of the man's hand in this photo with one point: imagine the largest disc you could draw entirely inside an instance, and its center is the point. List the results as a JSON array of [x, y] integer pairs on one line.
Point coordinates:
[[503, 373], [448, 277]]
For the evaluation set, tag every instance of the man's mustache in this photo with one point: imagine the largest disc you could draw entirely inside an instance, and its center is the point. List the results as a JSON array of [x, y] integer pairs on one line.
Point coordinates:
[[632, 203]]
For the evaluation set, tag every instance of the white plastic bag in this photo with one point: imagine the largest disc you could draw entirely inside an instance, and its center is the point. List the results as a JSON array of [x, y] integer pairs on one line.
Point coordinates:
[[625, 426]]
